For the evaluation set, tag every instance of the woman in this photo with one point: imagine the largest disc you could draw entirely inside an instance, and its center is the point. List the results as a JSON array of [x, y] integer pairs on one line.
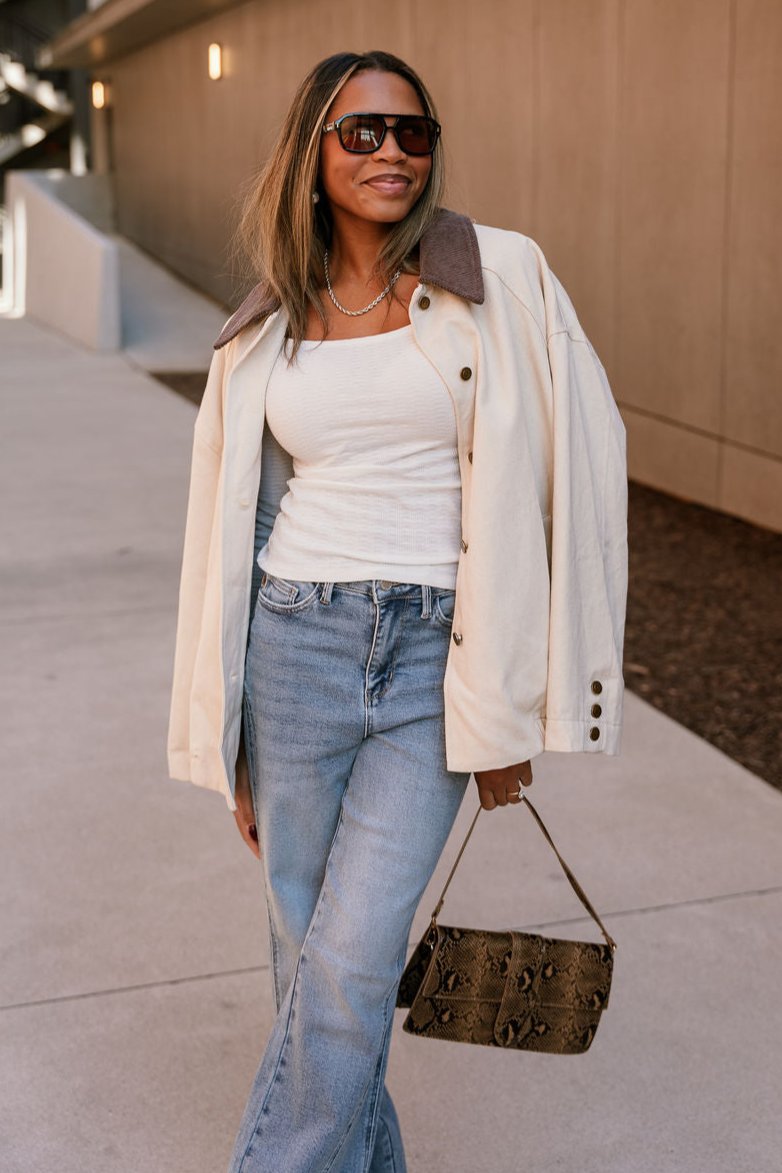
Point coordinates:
[[407, 408]]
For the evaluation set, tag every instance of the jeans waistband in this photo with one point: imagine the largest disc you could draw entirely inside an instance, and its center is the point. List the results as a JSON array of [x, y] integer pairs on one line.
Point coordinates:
[[381, 590]]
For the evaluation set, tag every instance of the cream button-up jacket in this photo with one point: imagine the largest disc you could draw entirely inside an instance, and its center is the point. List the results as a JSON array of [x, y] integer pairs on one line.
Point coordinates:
[[535, 661]]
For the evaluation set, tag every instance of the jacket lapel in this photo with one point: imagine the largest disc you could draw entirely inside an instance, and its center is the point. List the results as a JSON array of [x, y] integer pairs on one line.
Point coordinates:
[[450, 257]]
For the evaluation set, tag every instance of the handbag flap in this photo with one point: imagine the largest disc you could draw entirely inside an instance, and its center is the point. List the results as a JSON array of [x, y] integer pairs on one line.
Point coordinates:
[[552, 976], [468, 964]]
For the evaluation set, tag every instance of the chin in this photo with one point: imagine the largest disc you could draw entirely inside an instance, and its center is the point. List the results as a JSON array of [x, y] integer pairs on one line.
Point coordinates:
[[390, 215], [388, 209]]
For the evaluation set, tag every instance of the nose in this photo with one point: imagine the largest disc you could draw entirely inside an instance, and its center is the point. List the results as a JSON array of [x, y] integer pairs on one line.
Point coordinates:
[[390, 147]]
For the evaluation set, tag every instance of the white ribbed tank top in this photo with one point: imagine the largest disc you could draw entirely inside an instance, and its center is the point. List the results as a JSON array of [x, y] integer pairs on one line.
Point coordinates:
[[376, 488]]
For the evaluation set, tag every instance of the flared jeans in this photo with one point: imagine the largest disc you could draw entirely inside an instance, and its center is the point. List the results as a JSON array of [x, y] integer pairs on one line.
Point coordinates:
[[344, 733]]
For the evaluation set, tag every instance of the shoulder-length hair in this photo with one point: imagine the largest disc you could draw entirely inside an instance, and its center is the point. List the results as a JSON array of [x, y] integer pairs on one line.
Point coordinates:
[[282, 233]]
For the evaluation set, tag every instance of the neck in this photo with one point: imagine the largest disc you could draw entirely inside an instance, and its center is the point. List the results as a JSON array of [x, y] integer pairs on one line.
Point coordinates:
[[355, 246]]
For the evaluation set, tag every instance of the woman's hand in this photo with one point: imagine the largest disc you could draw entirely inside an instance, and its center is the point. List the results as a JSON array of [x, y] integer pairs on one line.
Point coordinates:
[[499, 787], [244, 814]]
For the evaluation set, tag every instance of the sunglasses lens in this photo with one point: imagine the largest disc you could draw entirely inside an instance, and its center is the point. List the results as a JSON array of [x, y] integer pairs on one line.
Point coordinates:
[[361, 132], [416, 136]]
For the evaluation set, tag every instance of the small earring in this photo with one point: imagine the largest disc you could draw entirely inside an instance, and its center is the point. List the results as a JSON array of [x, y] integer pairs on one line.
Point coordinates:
[[315, 197]]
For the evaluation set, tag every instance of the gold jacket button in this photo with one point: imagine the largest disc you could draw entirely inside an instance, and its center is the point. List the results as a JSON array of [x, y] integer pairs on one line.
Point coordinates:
[[596, 710], [597, 686], [424, 302], [457, 637], [465, 373], [594, 733], [464, 546]]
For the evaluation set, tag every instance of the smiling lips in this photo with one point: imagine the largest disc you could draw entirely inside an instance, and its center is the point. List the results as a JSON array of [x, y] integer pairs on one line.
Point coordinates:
[[390, 184]]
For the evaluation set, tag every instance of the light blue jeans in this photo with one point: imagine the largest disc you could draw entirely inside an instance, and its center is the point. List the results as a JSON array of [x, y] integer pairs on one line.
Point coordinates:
[[343, 719]]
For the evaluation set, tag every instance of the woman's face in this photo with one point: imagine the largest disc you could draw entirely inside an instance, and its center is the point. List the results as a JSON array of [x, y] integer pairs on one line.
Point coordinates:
[[381, 187]]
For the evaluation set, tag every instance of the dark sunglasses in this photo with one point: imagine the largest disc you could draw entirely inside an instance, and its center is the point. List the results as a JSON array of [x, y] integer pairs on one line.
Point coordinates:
[[361, 134]]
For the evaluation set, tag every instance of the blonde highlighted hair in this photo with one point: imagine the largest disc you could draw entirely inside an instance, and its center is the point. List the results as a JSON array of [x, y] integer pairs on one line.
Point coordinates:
[[282, 234]]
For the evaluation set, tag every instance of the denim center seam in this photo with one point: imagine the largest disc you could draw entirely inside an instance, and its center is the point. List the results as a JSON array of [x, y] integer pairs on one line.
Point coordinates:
[[251, 752], [254, 1135], [375, 1081], [389, 668], [294, 991], [378, 1081], [397, 645], [381, 1122], [367, 707]]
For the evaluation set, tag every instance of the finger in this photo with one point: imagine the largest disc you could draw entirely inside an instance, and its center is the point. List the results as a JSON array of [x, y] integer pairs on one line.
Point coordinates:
[[514, 796], [488, 799], [250, 837], [244, 824]]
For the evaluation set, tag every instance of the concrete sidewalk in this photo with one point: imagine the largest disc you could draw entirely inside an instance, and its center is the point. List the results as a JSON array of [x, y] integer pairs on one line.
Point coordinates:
[[134, 983]]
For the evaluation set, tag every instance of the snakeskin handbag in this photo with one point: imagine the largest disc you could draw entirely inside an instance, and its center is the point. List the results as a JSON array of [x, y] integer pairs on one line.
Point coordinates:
[[507, 989]]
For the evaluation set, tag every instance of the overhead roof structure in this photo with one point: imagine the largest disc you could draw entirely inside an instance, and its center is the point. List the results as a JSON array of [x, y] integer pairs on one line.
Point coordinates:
[[119, 27]]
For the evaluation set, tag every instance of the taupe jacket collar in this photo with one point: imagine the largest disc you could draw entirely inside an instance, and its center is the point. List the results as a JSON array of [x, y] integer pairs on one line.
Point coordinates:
[[449, 258]]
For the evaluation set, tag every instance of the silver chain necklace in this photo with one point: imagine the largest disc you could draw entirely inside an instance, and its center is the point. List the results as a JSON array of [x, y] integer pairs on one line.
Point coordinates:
[[367, 308]]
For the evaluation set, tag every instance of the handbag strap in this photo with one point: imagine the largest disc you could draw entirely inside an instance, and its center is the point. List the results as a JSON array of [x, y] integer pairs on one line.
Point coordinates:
[[579, 891]]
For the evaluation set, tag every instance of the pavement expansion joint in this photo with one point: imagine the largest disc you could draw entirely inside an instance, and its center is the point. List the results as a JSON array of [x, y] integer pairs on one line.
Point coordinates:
[[195, 977], [205, 977], [643, 908]]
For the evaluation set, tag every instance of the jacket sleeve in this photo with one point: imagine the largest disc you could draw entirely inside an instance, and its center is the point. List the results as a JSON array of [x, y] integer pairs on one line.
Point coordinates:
[[588, 540], [199, 537]]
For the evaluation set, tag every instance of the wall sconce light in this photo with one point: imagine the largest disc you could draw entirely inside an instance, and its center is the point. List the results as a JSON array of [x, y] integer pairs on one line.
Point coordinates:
[[99, 95], [215, 61]]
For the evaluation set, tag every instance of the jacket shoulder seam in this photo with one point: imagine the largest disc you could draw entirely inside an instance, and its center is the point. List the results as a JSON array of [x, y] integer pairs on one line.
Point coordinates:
[[514, 294]]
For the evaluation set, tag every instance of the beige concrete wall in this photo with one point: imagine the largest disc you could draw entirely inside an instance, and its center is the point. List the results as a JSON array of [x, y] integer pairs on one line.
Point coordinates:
[[638, 141]]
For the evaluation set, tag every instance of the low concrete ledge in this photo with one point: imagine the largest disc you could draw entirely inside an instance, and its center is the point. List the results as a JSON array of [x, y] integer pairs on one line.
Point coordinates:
[[62, 270]]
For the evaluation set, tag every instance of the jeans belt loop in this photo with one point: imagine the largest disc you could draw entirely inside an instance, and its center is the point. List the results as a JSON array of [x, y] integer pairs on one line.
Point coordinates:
[[426, 593], [325, 593]]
